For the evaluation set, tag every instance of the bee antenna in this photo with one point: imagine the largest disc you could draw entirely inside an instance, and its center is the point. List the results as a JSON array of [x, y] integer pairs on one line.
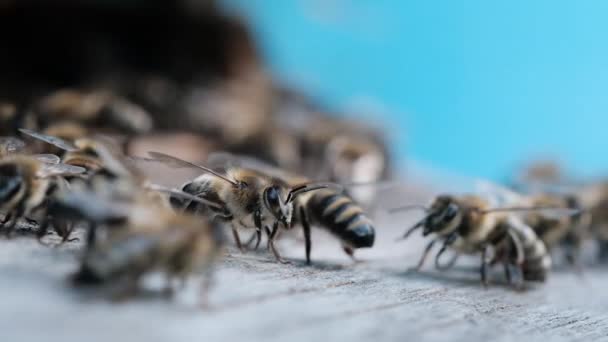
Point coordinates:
[[412, 229], [295, 191], [175, 162], [409, 207]]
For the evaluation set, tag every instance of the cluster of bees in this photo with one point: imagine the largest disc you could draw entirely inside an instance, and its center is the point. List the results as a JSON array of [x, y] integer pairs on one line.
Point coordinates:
[[72, 143]]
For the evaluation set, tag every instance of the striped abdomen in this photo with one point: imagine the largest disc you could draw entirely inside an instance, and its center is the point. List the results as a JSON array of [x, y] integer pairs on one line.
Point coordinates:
[[537, 260], [342, 217]]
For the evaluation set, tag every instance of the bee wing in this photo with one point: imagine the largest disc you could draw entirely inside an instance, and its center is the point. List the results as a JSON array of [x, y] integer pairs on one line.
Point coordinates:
[[56, 141], [177, 163], [47, 158], [497, 195], [183, 195], [49, 170], [227, 160], [11, 144]]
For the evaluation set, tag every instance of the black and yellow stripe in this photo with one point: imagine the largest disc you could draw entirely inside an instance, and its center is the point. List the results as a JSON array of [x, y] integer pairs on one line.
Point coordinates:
[[342, 217]]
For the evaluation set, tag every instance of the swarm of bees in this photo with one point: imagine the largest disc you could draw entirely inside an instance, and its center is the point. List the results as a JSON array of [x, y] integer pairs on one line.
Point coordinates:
[[268, 159]]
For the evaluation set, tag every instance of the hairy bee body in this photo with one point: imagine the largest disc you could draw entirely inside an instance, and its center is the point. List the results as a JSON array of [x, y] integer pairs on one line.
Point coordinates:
[[238, 204], [467, 225]]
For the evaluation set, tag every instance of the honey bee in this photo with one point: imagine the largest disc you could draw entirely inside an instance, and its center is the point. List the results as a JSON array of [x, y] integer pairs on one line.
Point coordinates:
[[328, 207], [567, 231], [177, 245], [469, 225], [244, 197], [26, 182], [99, 109]]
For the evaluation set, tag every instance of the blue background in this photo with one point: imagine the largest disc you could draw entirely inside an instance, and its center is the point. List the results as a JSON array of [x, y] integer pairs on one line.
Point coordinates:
[[472, 86]]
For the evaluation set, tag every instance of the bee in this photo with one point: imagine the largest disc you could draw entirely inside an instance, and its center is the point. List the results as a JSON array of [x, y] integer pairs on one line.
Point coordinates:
[[594, 198], [26, 182], [177, 245], [111, 176], [469, 225], [244, 197], [99, 109], [568, 231], [328, 207]]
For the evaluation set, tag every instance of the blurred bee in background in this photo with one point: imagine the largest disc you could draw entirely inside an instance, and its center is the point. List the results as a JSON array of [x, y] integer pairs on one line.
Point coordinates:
[[328, 207], [25, 184], [109, 175], [245, 197], [177, 245], [338, 150], [469, 225], [567, 231], [63, 111]]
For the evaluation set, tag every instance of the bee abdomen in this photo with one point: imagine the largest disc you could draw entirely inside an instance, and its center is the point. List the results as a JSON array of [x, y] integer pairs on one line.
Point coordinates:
[[343, 218], [537, 260]]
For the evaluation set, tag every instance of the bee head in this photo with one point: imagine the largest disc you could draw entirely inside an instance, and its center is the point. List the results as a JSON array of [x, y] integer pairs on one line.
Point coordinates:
[[10, 181], [444, 216], [274, 200]]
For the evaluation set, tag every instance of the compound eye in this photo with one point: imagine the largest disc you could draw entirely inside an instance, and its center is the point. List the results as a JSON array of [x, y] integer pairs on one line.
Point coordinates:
[[273, 195], [451, 211]]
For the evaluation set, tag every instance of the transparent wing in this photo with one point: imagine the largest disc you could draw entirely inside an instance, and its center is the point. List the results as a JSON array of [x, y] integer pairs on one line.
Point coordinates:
[[177, 163], [498, 195], [183, 195], [227, 160], [47, 158], [49, 170], [56, 141]]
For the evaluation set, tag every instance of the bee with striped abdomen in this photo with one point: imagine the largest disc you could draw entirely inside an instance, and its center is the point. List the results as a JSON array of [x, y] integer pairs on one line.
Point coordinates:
[[329, 208], [243, 196], [469, 225]]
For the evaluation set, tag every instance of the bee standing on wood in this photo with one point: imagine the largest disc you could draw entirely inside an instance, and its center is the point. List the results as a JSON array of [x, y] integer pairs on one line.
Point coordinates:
[[468, 225], [329, 208], [243, 196]]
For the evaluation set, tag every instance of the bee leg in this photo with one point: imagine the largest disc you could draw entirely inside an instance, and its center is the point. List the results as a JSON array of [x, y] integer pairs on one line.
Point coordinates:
[[350, 252], [258, 234], [448, 242], [485, 262], [427, 249], [508, 274], [13, 222], [237, 239], [42, 229], [91, 237], [306, 230], [205, 287], [271, 246], [6, 218]]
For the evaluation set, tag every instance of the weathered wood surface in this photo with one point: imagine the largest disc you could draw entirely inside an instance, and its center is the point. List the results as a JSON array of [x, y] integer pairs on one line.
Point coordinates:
[[255, 298]]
